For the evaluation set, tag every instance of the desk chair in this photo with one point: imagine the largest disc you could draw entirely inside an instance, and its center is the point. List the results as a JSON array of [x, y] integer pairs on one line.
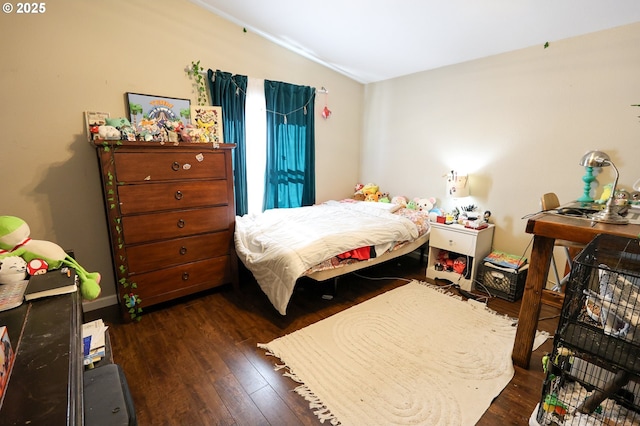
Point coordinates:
[[549, 201]]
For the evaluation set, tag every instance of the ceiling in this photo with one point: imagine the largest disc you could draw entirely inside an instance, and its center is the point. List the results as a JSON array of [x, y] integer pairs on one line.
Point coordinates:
[[374, 40]]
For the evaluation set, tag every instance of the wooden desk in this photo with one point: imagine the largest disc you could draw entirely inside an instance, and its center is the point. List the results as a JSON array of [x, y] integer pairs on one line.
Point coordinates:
[[546, 228]]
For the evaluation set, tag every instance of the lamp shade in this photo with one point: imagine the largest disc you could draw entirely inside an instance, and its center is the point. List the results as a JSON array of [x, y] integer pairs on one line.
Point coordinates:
[[595, 159], [457, 185]]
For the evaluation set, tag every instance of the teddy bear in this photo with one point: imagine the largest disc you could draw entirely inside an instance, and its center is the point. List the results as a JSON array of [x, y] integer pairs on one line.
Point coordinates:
[[15, 239], [425, 204]]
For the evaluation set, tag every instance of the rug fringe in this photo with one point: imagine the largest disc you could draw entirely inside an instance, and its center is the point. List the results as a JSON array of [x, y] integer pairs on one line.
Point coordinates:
[[475, 303], [320, 410]]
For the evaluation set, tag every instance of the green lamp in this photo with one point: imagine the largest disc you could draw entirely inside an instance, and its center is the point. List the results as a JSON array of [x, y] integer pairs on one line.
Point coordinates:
[[588, 179]]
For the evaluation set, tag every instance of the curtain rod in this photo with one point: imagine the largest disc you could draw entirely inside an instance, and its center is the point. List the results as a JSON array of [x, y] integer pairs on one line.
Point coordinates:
[[321, 91]]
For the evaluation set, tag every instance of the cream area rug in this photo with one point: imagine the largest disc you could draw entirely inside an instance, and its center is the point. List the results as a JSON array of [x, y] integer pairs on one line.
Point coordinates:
[[412, 356]]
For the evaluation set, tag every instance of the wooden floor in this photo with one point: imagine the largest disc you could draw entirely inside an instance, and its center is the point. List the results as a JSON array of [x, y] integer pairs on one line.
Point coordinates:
[[195, 362]]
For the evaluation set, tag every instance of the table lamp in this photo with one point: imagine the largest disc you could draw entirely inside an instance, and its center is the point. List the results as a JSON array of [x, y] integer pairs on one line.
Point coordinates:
[[600, 159], [457, 185]]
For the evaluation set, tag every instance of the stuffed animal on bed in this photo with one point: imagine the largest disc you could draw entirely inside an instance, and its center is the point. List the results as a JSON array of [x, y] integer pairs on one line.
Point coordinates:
[[425, 204], [373, 197], [357, 194], [400, 200], [370, 188], [15, 239]]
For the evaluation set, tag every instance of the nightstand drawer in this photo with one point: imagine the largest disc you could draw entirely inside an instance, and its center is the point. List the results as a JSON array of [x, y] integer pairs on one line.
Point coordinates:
[[453, 240]]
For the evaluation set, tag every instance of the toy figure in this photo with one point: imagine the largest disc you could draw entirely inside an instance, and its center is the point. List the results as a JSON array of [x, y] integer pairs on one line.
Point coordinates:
[[14, 238]]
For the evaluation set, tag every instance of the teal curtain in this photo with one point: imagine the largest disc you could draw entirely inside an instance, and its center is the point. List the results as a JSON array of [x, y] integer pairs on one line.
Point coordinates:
[[230, 92], [290, 171]]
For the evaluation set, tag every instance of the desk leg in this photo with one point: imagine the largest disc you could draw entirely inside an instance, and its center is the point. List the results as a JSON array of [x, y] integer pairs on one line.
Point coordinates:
[[531, 300]]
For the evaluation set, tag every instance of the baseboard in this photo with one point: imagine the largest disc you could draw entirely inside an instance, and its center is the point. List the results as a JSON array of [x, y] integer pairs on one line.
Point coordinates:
[[99, 303]]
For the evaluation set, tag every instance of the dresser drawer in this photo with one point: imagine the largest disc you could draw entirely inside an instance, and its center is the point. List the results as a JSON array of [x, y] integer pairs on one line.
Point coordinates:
[[166, 284], [158, 166], [149, 257], [453, 240], [174, 224], [148, 197]]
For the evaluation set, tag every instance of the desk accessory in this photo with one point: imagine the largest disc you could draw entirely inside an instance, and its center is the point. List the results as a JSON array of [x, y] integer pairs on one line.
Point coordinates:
[[600, 159]]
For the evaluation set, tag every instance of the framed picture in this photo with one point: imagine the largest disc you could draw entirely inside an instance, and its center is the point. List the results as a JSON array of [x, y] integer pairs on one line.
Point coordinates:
[[93, 119], [157, 107], [208, 118]]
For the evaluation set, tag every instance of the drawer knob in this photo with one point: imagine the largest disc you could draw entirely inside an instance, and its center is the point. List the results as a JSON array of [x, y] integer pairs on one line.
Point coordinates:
[[175, 166], [181, 223], [183, 250], [450, 242], [185, 276], [179, 195]]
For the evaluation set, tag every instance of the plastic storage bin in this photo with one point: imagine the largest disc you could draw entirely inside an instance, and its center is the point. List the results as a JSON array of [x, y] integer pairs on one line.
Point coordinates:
[[501, 282]]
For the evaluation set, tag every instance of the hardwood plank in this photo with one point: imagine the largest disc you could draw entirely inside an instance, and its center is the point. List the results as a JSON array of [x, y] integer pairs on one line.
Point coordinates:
[[196, 360]]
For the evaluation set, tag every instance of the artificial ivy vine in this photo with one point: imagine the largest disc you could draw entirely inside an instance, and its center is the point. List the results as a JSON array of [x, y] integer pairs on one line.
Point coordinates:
[[131, 300], [196, 73]]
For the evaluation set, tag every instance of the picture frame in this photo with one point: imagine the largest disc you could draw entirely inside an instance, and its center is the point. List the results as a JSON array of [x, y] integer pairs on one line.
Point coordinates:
[[93, 119], [142, 106], [209, 118]]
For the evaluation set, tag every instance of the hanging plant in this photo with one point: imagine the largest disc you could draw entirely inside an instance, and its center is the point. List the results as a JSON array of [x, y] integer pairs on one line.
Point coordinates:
[[195, 72]]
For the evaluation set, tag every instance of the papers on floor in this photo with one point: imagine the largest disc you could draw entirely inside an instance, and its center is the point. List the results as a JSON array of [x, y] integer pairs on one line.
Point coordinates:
[[93, 339]]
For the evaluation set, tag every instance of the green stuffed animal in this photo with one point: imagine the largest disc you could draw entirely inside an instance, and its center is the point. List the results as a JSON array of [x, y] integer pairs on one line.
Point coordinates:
[[14, 239]]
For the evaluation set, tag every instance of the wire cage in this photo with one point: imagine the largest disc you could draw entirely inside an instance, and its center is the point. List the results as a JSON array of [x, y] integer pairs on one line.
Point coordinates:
[[601, 311], [594, 369]]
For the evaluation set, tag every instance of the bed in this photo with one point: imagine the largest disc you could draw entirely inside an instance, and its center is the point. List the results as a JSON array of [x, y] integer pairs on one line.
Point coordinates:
[[324, 241]]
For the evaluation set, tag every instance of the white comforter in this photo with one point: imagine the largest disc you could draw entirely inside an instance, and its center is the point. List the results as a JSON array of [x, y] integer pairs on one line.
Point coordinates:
[[279, 245]]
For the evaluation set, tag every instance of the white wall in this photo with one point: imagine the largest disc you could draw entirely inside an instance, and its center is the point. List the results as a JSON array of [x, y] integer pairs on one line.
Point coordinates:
[[84, 55], [518, 123]]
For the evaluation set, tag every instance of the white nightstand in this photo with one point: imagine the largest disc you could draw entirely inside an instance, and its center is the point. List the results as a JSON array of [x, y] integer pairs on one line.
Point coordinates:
[[470, 244]]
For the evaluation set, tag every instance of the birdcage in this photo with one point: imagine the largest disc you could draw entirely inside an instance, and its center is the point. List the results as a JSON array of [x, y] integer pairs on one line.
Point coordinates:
[[594, 368]]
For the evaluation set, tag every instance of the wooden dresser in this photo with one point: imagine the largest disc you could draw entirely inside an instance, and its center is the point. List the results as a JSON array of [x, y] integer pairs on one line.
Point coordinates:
[[171, 217]]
